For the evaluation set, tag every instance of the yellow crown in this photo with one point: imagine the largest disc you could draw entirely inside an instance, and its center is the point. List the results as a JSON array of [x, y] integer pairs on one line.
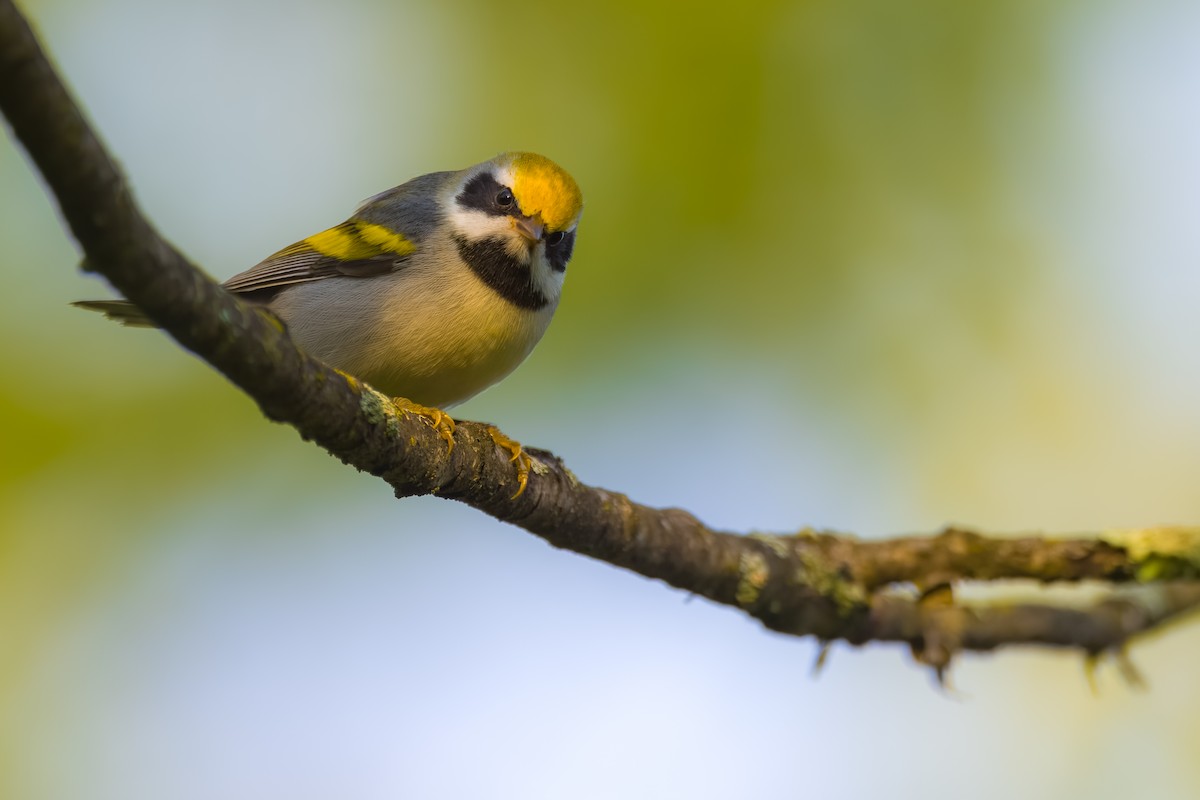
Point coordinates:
[[544, 188]]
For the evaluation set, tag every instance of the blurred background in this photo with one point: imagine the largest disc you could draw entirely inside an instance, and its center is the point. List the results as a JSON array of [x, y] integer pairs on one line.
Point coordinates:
[[862, 265]]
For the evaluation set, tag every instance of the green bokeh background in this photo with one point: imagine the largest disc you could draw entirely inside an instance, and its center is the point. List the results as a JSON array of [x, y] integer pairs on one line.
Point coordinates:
[[869, 265]]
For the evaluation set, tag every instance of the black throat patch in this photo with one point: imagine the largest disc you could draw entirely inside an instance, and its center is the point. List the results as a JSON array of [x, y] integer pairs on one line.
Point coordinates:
[[511, 279]]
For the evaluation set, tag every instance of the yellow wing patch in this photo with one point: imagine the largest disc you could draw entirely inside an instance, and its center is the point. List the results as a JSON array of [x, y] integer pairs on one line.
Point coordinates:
[[355, 248], [356, 240], [543, 187]]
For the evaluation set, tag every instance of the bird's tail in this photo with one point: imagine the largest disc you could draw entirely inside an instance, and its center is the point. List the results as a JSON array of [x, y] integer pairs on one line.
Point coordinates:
[[121, 311]]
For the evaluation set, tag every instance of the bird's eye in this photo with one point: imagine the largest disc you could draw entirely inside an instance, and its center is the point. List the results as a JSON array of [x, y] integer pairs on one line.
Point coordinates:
[[505, 198], [555, 238]]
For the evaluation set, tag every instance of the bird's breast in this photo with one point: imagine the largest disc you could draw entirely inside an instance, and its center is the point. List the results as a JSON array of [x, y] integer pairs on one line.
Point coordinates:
[[435, 335]]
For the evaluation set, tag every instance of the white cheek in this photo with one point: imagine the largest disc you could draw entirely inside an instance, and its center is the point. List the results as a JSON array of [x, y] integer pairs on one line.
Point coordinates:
[[477, 225], [545, 277]]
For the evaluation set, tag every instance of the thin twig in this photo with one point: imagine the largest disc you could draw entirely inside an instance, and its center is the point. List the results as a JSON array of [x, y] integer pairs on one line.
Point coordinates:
[[831, 586]]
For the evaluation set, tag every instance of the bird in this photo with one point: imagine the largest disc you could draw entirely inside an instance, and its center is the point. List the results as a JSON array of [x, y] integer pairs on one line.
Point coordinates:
[[431, 291]]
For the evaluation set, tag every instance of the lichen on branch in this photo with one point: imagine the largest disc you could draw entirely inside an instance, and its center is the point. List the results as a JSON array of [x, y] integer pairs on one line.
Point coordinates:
[[830, 586]]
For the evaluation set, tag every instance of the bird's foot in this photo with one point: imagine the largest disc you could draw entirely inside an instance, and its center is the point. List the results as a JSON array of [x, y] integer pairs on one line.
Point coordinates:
[[519, 457], [437, 419]]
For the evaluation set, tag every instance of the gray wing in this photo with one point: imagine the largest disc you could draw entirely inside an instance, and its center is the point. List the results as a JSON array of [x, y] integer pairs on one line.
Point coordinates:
[[384, 232]]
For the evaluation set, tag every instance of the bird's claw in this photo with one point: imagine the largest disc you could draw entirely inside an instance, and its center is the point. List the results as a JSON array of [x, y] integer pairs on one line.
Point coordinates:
[[437, 419], [519, 457]]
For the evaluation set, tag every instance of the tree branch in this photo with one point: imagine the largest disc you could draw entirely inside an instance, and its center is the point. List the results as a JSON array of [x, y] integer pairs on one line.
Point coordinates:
[[830, 586]]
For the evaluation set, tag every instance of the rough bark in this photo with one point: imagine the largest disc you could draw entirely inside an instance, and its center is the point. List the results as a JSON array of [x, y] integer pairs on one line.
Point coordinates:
[[830, 586]]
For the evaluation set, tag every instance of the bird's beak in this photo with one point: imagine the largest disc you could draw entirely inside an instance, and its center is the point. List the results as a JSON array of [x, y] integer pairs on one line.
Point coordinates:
[[529, 227]]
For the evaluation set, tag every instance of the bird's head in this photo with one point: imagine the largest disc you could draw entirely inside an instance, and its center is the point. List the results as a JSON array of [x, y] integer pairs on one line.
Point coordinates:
[[516, 216]]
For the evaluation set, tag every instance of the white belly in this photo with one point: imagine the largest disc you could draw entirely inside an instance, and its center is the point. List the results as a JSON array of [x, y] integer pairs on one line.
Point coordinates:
[[435, 336]]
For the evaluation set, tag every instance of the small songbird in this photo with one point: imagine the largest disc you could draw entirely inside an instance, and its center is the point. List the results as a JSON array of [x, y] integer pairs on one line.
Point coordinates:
[[431, 291]]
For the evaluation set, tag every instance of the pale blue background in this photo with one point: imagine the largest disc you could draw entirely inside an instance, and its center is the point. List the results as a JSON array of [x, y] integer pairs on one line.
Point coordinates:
[[864, 266]]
